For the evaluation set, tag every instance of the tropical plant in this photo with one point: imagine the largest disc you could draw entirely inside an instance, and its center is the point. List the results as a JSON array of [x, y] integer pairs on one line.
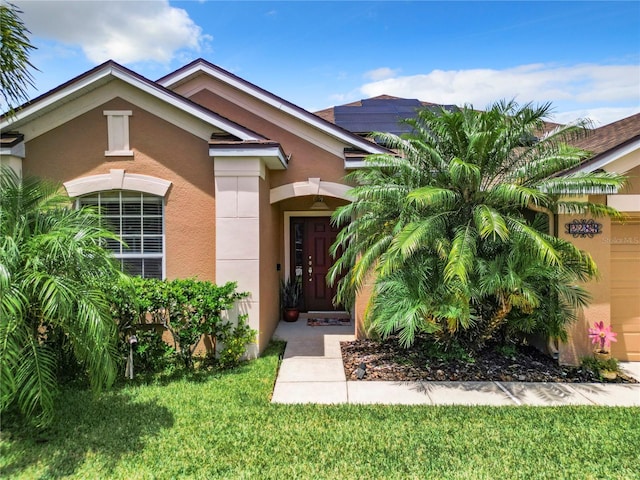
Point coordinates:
[[15, 77], [448, 226], [291, 292], [52, 266]]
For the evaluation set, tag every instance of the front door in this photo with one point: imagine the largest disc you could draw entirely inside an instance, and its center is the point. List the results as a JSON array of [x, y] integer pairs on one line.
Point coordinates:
[[312, 237]]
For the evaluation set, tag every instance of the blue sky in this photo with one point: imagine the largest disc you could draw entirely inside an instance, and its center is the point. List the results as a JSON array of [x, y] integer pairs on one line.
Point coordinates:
[[582, 56]]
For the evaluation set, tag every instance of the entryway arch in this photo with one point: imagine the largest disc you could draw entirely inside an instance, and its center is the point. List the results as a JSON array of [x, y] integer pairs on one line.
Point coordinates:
[[312, 186]]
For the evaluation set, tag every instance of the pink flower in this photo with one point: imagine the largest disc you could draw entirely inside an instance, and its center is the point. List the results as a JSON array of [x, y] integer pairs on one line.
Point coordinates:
[[601, 335]]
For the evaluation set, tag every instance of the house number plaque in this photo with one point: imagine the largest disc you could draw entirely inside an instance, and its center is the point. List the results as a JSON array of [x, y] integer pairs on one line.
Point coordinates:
[[583, 228]]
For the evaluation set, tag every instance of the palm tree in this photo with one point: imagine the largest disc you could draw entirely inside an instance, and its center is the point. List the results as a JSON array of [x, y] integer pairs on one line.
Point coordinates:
[[447, 227], [15, 77], [51, 266]]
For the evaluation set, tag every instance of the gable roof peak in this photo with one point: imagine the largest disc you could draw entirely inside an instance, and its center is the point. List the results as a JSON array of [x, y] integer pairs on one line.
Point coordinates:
[[103, 74], [200, 65]]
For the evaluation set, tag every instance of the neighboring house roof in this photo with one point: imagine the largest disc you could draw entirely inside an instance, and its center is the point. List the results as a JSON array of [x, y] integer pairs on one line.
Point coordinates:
[[609, 136], [200, 66], [609, 142], [383, 113], [103, 74]]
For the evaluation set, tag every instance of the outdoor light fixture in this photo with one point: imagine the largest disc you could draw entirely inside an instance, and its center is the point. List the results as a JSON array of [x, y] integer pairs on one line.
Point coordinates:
[[133, 341], [318, 203], [361, 371]]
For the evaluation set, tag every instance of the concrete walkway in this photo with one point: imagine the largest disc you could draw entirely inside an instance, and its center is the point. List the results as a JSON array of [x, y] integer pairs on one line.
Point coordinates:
[[312, 372]]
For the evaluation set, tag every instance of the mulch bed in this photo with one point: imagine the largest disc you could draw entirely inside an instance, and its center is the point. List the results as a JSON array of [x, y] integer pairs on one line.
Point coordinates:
[[389, 361]]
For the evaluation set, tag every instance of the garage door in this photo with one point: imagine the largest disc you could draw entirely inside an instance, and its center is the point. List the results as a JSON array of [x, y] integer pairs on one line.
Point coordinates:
[[625, 289]]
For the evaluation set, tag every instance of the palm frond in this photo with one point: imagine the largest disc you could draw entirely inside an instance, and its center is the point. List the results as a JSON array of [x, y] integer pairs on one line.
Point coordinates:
[[489, 222], [579, 184], [433, 197], [461, 255], [36, 381]]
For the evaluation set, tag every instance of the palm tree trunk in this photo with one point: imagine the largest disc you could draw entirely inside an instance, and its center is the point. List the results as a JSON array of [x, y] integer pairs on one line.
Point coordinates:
[[495, 323]]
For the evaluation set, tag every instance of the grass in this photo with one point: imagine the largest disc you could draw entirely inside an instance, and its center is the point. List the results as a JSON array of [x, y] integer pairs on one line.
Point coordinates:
[[208, 426]]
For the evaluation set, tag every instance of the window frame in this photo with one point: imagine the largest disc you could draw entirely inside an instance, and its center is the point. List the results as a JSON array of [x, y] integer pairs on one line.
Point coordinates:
[[122, 256]]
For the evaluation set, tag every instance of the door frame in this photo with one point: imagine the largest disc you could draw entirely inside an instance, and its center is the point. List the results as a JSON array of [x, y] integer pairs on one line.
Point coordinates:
[[287, 232]]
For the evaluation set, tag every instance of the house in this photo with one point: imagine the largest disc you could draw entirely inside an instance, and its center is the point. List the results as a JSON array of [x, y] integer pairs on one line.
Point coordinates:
[[207, 175]]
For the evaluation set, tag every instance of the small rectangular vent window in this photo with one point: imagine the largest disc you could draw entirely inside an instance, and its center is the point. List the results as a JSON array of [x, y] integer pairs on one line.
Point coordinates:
[[118, 133]]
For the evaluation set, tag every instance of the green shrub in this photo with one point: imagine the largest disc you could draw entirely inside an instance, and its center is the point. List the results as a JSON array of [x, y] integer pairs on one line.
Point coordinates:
[[151, 354], [234, 340], [187, 308], [599, 366]]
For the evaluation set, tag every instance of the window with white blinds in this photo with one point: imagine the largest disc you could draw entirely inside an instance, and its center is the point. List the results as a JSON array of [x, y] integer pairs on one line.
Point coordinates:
[[138, 219]]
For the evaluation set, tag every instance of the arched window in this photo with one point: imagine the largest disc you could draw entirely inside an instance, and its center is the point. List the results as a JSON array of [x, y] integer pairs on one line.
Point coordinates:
[[138, 219]]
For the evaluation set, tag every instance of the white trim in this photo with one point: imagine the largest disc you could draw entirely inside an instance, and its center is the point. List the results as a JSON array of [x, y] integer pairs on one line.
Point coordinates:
[[161, 255], [272, 156], [624, 203], [287, 233], [103, 76], [117, 113], [238, 167], [15, 151], [307, 117], [117, 179], [353, 164], [118, 133], [313, 186]]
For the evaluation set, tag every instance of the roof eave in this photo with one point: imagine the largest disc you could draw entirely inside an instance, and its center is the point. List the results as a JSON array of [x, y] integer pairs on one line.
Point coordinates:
[[270, 152], [603, 159]]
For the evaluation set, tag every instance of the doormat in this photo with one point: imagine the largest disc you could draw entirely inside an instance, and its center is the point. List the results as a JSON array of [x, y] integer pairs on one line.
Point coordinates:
[[325, 322]]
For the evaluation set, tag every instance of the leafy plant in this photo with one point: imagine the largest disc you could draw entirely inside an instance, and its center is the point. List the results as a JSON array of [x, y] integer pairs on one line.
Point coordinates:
[[448, 227], [151, 354], [15, 48], [598, 366], [291, 292], [507, 350], [52, 301], [187, 308], [235, 340]]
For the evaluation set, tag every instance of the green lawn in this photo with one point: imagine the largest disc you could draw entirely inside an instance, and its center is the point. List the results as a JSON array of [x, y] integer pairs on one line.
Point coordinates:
[[223, 426]]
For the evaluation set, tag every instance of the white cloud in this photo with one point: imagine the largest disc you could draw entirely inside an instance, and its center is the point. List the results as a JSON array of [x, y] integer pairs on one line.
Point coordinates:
[[584, 86], [599, 116], [125, 31], [381, 73]]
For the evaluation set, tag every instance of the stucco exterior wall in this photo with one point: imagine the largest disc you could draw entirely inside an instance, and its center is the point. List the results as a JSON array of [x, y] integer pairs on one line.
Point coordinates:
[[599, 247], [270, 241], [76, 149], [307, 159], [633, 179], [600, 307]]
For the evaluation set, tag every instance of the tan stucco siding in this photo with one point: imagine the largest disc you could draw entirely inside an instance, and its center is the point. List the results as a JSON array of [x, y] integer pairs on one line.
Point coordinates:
[[270, 240], [76, 149], [599, 309], [633, 180], [307, 159]]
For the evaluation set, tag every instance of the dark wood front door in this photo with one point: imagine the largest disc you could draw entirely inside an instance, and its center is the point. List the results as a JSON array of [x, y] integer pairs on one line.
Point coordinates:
[[312, 238]]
